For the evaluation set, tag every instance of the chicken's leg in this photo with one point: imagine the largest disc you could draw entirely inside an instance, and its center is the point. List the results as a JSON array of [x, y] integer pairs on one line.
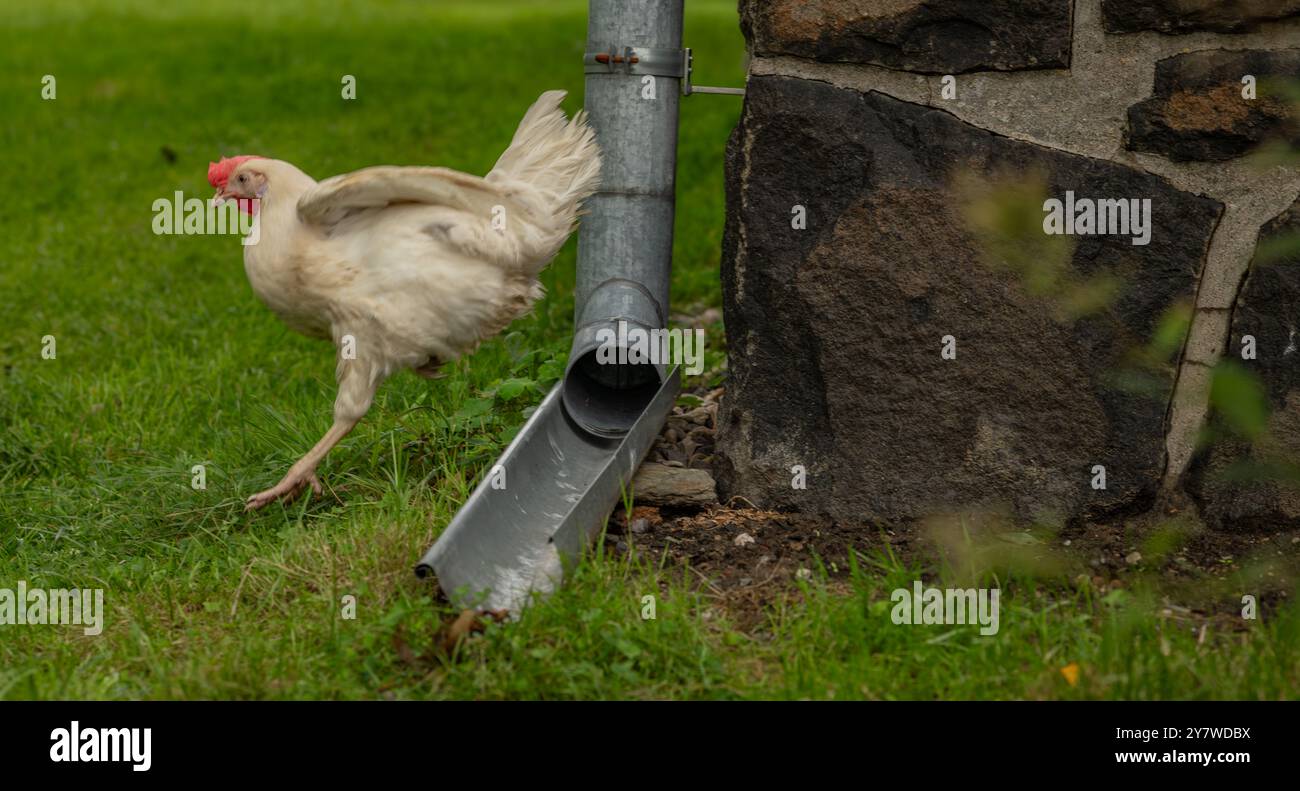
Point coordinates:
[[356, 391]]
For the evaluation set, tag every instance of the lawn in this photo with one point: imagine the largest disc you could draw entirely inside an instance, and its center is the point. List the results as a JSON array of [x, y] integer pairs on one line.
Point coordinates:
[[165, 360]]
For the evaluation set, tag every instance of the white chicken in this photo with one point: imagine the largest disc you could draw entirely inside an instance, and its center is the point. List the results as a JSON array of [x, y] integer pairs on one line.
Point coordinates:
[[408, 267]]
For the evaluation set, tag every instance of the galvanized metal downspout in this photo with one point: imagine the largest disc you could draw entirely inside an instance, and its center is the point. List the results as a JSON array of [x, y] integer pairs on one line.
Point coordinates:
[[634, 68], [577, 454]]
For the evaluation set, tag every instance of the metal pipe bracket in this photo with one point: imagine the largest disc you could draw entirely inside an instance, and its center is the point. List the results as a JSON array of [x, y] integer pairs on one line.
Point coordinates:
[[656, 61], [659, 62]]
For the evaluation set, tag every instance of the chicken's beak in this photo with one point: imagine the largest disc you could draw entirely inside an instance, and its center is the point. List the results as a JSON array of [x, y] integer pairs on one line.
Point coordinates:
[[222, 196]]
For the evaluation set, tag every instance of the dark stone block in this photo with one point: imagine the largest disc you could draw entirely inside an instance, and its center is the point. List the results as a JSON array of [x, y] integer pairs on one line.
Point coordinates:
[[834, 331], [1189, 16], [1198, 111], [934, 36]]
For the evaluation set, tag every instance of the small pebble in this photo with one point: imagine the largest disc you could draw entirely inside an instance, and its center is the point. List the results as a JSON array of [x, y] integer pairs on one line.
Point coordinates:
[[743, 540], [700, 416]]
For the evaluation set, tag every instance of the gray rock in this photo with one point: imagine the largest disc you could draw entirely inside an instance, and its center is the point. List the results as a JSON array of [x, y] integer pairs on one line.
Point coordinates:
[[662, 485], [1187, 16], [835, 331], [1253, 484], [1198, 112], [936, 36]]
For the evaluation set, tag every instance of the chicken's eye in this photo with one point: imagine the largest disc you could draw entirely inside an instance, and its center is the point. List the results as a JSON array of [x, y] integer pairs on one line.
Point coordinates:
[[243, 177]]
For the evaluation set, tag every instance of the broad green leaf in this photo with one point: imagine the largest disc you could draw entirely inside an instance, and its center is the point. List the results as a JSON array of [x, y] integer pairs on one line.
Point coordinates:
[[1238, 396]]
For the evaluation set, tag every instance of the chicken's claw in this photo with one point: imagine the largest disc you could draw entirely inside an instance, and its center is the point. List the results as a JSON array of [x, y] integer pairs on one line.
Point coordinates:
[[287, 490]]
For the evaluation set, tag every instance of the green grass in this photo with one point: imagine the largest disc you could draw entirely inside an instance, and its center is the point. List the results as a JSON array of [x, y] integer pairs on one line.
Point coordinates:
[[165, 360]]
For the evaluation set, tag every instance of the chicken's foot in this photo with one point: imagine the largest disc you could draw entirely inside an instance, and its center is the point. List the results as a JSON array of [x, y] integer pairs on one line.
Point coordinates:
[[303, 473]]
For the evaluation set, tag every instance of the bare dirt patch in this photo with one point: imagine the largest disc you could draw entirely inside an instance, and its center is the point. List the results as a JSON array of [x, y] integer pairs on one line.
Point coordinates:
[[746, 559]]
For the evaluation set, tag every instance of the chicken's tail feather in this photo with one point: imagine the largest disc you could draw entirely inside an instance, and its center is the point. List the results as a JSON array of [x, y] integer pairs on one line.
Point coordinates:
[[555, 155]]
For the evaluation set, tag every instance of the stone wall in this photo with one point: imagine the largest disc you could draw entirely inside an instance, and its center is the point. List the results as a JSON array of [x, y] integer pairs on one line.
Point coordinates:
[[895, 353]]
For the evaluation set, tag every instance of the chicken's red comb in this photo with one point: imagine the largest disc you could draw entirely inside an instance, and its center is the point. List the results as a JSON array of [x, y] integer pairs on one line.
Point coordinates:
[[219, 172]]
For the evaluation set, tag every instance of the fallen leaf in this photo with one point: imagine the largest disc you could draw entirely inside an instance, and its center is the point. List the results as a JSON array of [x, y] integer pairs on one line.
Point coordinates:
[[1071, 673], [467, 623]]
